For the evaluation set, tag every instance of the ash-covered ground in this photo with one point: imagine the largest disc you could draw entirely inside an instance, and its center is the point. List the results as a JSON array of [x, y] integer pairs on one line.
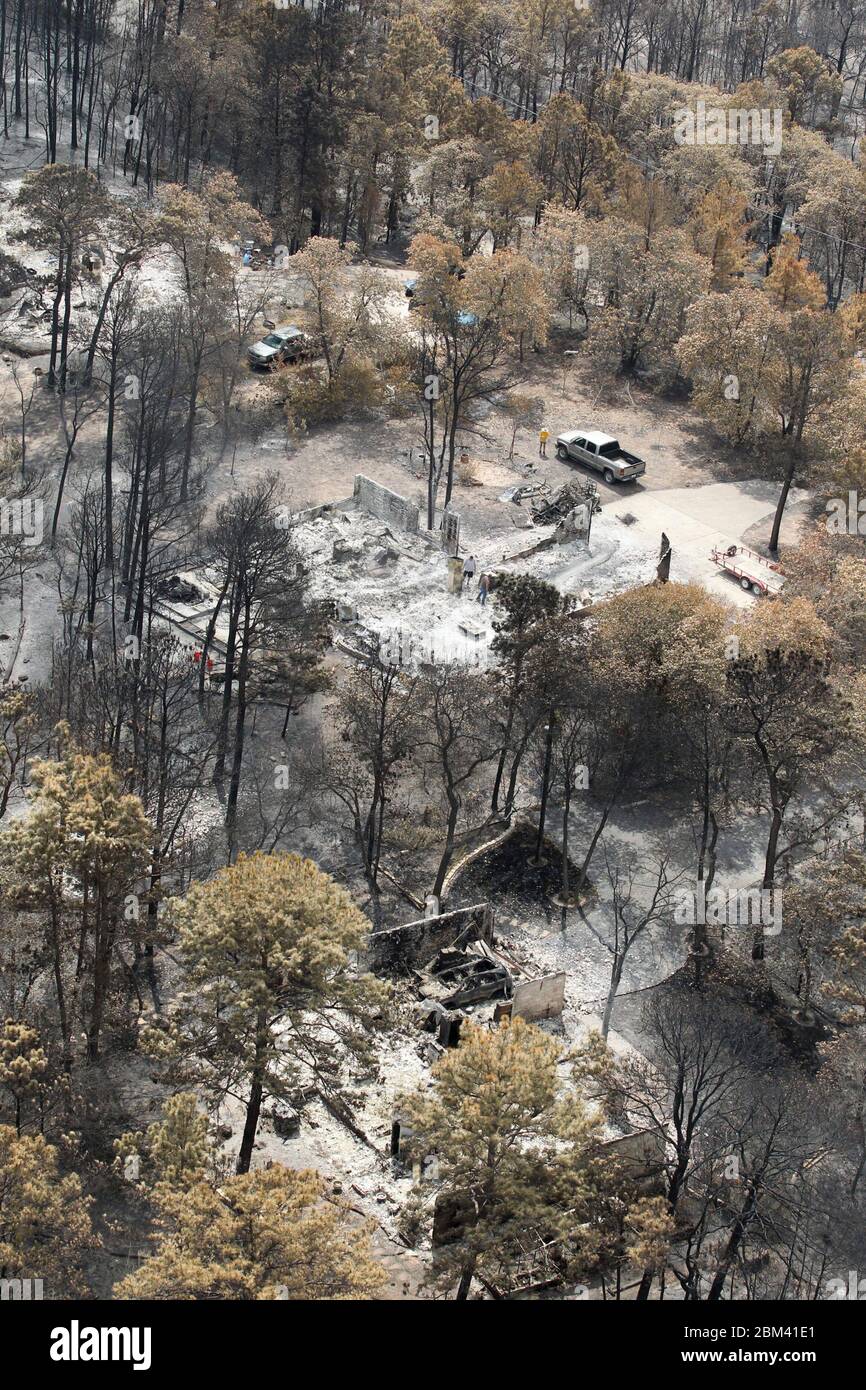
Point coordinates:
[[396, 584]]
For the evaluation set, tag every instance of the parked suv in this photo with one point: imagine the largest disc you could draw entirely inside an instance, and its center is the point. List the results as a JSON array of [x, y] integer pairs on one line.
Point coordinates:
[[286, 344]]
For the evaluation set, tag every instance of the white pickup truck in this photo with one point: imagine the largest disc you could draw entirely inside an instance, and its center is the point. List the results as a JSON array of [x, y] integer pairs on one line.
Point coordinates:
[[602, 452]]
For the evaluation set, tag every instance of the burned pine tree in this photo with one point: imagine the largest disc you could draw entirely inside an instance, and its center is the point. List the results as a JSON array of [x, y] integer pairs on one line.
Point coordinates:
[[456, 741], [523, 605], [274, 638], [378, 718]]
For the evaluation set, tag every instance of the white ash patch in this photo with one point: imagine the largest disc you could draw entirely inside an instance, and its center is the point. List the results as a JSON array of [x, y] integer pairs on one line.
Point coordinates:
[[395, 585]]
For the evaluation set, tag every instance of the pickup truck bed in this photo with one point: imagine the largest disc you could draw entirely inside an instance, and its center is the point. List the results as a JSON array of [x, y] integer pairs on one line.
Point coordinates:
[[630, 458]]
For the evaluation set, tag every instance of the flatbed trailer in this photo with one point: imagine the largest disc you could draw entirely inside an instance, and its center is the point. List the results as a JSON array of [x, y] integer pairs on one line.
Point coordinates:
[[754, 571]]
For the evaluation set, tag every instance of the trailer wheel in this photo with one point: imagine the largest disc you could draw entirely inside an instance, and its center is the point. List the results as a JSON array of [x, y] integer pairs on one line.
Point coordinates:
[[759, 590], [745, 583]]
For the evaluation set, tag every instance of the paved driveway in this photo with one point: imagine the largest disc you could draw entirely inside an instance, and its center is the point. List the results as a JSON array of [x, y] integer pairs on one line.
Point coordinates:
[[717, 514]]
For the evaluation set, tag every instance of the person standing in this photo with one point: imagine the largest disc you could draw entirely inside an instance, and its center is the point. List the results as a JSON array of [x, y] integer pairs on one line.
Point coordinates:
[[543, 436], [468, 570], [483, 589]]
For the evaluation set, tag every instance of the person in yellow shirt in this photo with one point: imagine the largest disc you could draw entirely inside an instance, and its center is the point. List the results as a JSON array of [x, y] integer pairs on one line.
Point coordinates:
[[543, 436]]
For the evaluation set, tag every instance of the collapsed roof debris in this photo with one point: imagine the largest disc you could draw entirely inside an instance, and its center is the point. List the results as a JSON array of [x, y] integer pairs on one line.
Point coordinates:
[[185, 602], [454, 963], [544, 1260], [460, 977], [400, 950], [549, 511]]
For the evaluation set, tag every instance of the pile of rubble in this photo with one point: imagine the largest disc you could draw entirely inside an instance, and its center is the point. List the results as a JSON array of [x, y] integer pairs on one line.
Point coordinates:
[[390, 588], [550, 511], [546, 509], [456, 969]]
